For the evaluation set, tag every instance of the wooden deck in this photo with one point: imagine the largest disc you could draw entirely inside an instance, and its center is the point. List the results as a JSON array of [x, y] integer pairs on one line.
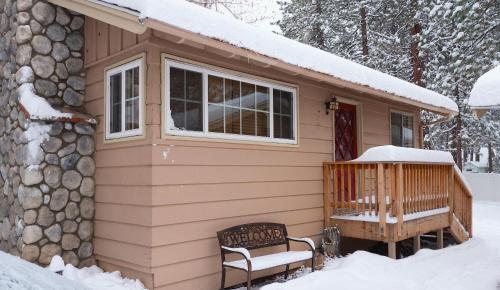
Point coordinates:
[[391, 202]]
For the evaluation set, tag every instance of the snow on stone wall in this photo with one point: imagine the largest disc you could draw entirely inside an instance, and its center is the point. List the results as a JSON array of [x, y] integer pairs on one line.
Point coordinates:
[[47, 168]]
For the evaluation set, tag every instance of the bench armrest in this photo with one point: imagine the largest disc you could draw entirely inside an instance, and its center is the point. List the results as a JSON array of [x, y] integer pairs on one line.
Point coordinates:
[[242, 251], [303, 240]]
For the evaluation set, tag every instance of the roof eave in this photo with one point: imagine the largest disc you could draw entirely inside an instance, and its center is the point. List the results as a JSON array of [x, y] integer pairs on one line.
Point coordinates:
[[293, 69], [129, 20], [111, 14]]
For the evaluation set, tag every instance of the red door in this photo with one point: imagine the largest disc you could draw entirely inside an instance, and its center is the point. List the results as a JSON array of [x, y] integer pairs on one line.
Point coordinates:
[[346, 146]]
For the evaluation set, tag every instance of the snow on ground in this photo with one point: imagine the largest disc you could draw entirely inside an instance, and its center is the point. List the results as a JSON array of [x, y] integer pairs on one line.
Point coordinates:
[[486, 90], [196, 19], [18, 274], [96, 279], [469, 266]]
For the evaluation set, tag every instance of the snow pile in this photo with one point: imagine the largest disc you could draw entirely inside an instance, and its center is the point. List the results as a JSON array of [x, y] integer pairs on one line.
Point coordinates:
[[38, 107], [36, 134], [94, 277], [486, 90], [208, 23], [471, 265], [16, 273], [390, 153]]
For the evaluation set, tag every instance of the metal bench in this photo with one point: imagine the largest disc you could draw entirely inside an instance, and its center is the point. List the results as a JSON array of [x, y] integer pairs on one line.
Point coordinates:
[[243, 238]]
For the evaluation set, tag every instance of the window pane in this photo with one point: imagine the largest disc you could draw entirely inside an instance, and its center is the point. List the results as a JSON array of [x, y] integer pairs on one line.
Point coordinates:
[[232, 93], [286, 127], [132, 83], [233, 120], [263, 98], [132, 114], [216, 118], [194, 113], [407, 131], [248, 122], [215, 89], [248, 95], [277, 126], [262, 124], [286, 103], [177, 83], [194, 86], [178, 113], [115, 118], [276, 101], [396, 129]]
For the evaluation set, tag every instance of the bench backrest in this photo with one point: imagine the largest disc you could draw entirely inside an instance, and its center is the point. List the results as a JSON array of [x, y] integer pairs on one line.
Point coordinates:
[[253, 236]]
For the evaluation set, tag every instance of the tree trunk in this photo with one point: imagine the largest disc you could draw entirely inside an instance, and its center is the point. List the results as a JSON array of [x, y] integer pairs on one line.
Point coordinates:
[[318, 36], [364, 33], [417, 66], [490, 158], [458, 141]]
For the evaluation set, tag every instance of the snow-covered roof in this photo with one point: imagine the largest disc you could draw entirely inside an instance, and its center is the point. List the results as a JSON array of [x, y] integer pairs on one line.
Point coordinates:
[[486, 91], [390, 153], [198, 20]]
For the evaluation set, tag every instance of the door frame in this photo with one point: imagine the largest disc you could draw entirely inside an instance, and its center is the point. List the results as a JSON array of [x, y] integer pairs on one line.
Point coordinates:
[[359, 125]]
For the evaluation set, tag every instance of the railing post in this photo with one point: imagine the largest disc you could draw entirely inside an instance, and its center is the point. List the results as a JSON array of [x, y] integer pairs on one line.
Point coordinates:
[[327, 192], [451, 192], [400, 197], [382, 204]]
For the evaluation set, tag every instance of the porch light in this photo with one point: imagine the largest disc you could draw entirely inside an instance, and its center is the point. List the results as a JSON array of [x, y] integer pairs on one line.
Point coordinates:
[[332, 105]]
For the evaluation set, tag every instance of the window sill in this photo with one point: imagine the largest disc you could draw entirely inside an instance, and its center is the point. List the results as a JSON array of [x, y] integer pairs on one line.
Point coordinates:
[[228, 138]]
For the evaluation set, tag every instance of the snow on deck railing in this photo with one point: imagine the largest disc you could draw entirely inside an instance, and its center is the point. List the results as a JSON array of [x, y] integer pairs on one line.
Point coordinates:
[[392, 185], [390, 153]]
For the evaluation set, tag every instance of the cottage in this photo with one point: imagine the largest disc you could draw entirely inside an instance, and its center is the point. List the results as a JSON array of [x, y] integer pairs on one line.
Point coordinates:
[[133, 131]]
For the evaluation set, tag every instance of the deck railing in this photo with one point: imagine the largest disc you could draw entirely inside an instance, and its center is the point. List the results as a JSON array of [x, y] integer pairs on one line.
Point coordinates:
[[462, 202], [394, 192]]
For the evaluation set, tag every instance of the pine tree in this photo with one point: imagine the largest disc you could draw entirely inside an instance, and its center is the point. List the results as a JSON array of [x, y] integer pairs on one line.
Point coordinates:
[[459, 43]]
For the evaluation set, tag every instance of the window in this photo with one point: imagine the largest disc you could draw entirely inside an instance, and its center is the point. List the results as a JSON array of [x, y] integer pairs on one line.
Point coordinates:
[[402, 129], [206, 103], [124, 101]]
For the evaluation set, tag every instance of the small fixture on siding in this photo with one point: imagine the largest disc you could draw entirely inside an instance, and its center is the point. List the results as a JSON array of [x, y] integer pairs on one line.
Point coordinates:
[[332, 105]]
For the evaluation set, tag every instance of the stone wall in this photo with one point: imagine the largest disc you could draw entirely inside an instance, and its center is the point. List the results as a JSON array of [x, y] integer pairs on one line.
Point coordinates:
[[47, 167]]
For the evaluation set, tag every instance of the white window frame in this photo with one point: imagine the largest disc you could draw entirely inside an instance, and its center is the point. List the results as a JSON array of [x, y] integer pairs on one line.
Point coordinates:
[[402, 113], [205, 71], [122, 69]]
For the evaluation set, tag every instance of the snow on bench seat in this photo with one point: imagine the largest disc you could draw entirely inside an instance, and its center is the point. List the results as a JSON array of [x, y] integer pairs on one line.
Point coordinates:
[[272, 260]]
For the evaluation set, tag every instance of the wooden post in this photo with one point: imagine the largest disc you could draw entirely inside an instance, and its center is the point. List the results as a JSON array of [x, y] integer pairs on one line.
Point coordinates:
[[327, 194], [440, 240], [381, 200], [451, 192], [392, 250], [416, 243], [399, 197]]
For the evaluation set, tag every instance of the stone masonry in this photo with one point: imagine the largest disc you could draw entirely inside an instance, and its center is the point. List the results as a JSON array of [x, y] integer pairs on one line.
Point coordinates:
[[46, 166]]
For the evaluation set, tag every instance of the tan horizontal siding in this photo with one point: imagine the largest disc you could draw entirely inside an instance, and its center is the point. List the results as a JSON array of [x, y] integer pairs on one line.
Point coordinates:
[[133, 234], [178, 233], [200, 193], [160, 201], [128, 253], [184, 213]]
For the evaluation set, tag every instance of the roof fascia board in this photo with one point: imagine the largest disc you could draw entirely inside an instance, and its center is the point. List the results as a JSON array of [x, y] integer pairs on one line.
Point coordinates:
[[295, 70], [116, 16]]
